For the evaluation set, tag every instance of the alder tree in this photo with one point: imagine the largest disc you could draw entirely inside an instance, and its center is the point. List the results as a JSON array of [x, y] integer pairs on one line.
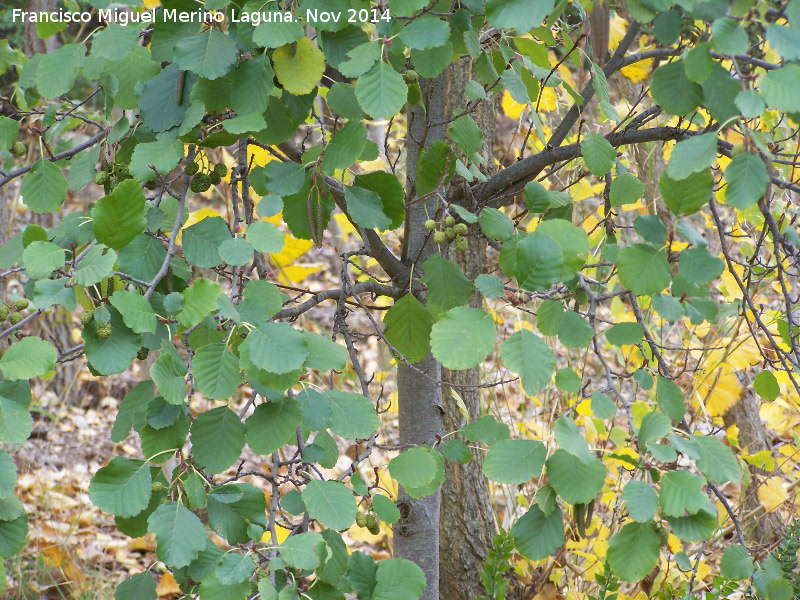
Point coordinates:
[[588, 208]]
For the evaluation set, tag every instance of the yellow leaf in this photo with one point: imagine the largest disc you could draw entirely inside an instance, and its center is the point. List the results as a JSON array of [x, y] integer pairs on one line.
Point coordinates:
[[718, 392], [299, 66], [293, 249], [511, 107], [772, 493], [762, 460], [639, 71], [167, 586], [150, 4], [549, 100], [196, 217]]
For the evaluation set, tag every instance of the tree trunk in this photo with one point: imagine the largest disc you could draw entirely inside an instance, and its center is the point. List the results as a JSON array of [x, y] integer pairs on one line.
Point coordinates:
[[419, 392], [467, 522], [764, 529]]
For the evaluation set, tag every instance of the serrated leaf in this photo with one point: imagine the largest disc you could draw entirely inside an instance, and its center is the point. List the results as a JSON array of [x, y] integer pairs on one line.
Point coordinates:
[[522, 15], [180, 535], [330, 503], [692, 155], [272, 424], [136, 311], [598, 153], [57, 70], [304, 550], [538, 535], [747, 180], [42, 258], [515, 461], [462, 337], [643, 269], [633, 551], [199, 300], [164, 155], [496, 225], [413, 468], [688, 195], [408, 328], [275, 347], [448, 287], [299, 66], [381, 91], [575, 481], [201, 242], [209, 54], [670, 398], [27, 358], [366, 208], [674, 91], [736, 563], [16, 423], [218, 437], [528, 355], [398, 579], [122, 487], [641, 500], [682, 494], [44, 188], [119, 217]]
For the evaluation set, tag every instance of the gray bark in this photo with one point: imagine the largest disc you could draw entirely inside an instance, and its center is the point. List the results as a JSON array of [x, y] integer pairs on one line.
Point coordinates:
[[416, 535], [467, 520]]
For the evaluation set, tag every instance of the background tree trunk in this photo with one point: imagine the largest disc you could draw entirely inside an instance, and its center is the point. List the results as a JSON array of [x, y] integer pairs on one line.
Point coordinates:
[[467, 521], [419, 392]]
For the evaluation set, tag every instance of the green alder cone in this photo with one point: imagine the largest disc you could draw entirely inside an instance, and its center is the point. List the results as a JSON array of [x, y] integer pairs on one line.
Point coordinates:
[[450, 221], [22, 304], [19, 149], [215, 178], [461, 244], [430, 224], [106, 167], [439, 237], [191, 168], [4, 312], [104, 331], [16, 318], [461, 228], [143, 353], [87, 317], [450, 233], [221, 169], [200, 183], [102, 178]]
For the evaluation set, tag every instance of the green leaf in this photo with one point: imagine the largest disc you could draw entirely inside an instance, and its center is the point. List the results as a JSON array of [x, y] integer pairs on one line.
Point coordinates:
[[138, 587], [304, 550], [8, 468], [574, 331], [697, 527], [16, 423], [132, 404], [265, 237], [575, 481], [239, 520], [736, 563], [572, 240], [235, 568], [381, 91], [598, 153], [784, 40], [641, 500], [392, 195], [385, 509], [398, 579], [352, 415], [366, 208], [344, 148], [135, 67], [515, 461], [467, 135], [643, 269], [486, 430], [670, 398], [216, 371], [750, 103], [42, 258], [44, 188], [747, 180], [462, 337], [625, 189], [115, 42], [180, 535], [490, 286], [536, 535], [569, 437], [716, 461], [201, 242], [522, 15], [330, 503], [633, 551], [299, 66], [655, 425], [682, 494], [729, 37], [114, 354], [568, 381], [276, 32], [236, 251], [245, 123], [406, 8], [693, 155], [218, 437], [122, 487], [324, 354], [698, 63], [539, 262], [425, 33], [119, 217], [209, 54], [408, 328], [674, 91], [158, 103], [342, 100], [95, 266], [272, 424], [625, 334], [698, 265], [27, 358], [136, 311], [602, 406], [688, 195], [13, 535], [528, 355], [275, 347], [766, 385], [57, 70], [496, 225], [199, 301], [164, 155], [9, 130], [448, 287]]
